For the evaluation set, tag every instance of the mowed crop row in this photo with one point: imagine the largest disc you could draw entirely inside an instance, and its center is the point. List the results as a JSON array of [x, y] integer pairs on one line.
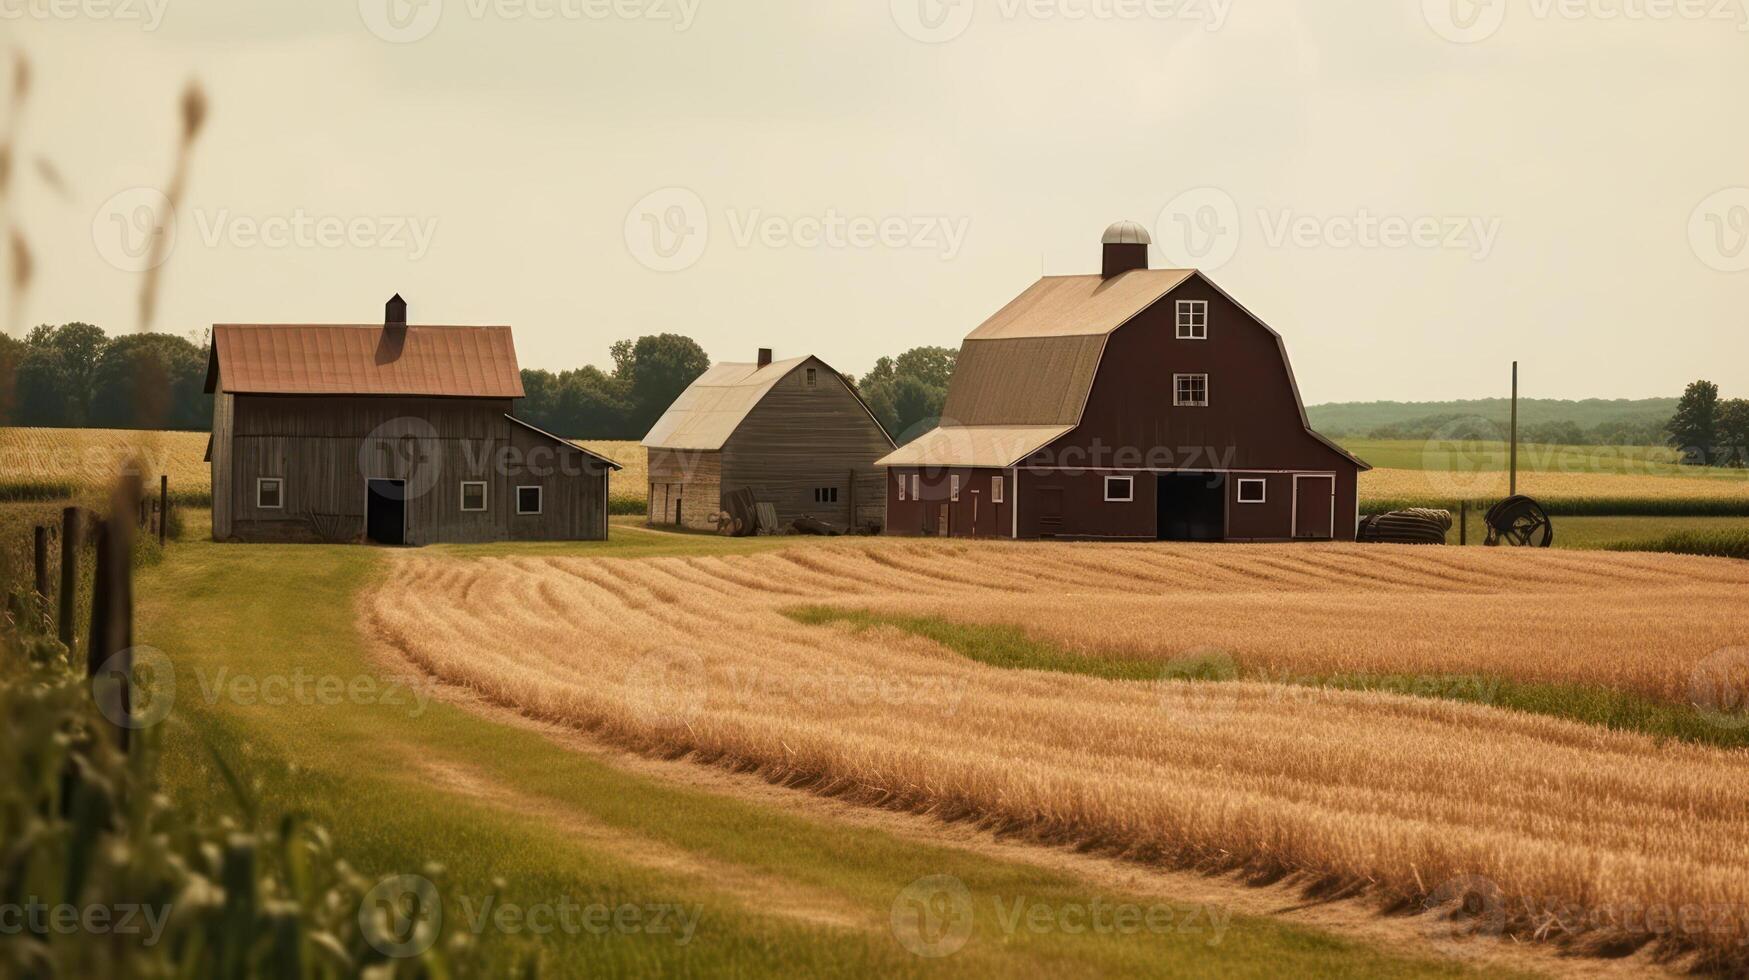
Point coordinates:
[[1381, 792]]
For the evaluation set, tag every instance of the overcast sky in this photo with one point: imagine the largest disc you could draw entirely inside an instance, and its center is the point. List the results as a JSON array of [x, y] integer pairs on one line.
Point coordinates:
[[1412, 192]]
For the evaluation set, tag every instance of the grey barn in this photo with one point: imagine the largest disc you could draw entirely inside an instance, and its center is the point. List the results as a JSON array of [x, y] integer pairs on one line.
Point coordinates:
[[792, 432], [388, 433]]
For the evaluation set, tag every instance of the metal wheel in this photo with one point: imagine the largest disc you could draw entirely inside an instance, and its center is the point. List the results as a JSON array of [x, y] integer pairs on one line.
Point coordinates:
[[1520, 522]]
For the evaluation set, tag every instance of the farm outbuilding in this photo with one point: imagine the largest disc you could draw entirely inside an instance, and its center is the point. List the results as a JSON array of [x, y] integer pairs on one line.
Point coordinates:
[[792, 434], [388, 433], [1136, 404]]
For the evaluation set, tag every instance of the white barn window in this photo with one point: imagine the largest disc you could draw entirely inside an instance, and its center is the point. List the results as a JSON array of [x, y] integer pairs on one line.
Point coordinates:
[[1190, 390], [953, 486], [902, 482], [270, 493], [473, 495], [1193, 319], [1120, 489], [1253, 491], [995, 489]]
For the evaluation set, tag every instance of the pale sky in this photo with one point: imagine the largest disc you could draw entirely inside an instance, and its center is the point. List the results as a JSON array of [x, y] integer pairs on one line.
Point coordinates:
[[1412, 192]]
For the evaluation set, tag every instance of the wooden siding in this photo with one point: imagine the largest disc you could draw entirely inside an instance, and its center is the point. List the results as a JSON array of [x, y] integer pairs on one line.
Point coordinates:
[[224, 405], [693, 479], [800, 438], [325, 448]]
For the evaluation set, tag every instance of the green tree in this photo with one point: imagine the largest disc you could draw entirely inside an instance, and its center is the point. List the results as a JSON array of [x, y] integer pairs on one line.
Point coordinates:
[[661, 367], [40, 382], [150, 381], [77, 346], [1733, 437], [907, 393], [1694, 429], [12, 351]]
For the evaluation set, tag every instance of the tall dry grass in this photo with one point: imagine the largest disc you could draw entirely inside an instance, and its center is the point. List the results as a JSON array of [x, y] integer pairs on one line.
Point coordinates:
[[1350, 791]]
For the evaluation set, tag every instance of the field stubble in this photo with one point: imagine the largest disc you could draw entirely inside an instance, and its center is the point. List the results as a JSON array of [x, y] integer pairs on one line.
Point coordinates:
[[1581, 829]]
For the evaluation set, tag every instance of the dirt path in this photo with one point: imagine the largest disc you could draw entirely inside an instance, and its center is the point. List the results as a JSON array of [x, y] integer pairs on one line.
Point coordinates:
[[1286, 901]]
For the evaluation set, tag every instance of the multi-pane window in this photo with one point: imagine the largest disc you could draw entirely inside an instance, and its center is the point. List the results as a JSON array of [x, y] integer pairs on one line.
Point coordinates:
[[1120, 489], [995, 489], [825, 495], [528, 500], [1193, 319], [270, 493], [813, 376], [953, 485], [916, 487], [473, 495], [902, 483], [1190, 389]]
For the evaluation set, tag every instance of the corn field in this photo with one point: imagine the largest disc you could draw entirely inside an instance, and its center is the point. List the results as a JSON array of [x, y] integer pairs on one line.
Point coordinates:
[[1353, 791]]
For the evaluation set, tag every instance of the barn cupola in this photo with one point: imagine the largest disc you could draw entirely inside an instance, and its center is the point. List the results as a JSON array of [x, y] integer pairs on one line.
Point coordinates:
[[1126, 248], [395, 316]]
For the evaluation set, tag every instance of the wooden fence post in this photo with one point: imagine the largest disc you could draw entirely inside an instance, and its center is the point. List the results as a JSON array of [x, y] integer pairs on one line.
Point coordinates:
[[69, 574], [112, 613], [163, 505], [40, 561], [1463, 522]]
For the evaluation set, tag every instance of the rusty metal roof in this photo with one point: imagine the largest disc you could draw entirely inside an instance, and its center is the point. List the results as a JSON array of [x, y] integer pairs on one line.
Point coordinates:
[[993, 446], [330, 359]]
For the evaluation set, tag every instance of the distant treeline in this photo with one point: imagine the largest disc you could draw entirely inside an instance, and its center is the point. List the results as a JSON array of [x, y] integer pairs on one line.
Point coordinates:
[[76, 376], [1602, 422]]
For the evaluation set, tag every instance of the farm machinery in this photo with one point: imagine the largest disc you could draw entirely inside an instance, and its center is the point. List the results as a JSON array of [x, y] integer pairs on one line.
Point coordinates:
[[1518, 521]]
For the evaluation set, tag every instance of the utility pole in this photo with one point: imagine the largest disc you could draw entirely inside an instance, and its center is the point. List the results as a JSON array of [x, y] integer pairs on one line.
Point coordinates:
[[1512, 481]]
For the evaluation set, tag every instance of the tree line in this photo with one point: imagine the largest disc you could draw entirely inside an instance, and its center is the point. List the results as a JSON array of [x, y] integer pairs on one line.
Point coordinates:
[[1708, 430], [76, 376]]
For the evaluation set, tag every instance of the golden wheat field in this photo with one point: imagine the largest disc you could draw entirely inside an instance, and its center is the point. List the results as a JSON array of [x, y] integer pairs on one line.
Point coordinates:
[[1399, 484], [1359, 792]]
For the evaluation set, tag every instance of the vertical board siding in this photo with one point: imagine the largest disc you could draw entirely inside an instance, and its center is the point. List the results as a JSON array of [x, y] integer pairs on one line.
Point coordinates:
[[798, 439]]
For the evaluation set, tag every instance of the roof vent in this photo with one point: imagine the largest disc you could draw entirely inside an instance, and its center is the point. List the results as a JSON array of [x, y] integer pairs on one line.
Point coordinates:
[[395, 314], [764, 357], [1126, 248]]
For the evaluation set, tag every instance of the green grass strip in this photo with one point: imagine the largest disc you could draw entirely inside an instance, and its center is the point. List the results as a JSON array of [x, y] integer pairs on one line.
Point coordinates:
[[1012, 648]]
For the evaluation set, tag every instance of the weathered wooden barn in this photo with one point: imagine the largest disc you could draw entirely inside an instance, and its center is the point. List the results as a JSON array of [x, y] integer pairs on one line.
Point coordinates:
[[792, 432], [388, 433], [1135, 404]]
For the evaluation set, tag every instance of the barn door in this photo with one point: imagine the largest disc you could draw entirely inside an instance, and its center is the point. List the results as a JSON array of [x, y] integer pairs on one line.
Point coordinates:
[[1314, 507]]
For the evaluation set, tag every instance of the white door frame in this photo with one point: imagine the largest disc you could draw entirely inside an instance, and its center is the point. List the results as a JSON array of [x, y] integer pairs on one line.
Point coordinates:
[[1294, 520]]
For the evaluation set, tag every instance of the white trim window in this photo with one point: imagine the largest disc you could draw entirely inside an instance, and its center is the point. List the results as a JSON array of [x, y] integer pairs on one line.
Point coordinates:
[[1253, 492], [1193, 319], [996, 489], [1190, 390], [813, 377], [529, 500], [473, 496], [916, 487], [953, 487], [270, 493], [1120, 489], [902, 482]]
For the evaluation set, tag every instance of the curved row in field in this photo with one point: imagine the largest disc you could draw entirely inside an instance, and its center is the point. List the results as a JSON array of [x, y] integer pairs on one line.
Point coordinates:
[[1583, 830]]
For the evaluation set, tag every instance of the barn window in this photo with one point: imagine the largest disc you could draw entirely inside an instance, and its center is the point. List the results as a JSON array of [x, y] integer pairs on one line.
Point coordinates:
[[1253, 491], [902, 482], [1120, 489], [953, 486], [270, 493], [528, 500], [473, 495], [1193, 319], [995, 489], [813, 377], [1190, 389], [825, 495], [916, 488]]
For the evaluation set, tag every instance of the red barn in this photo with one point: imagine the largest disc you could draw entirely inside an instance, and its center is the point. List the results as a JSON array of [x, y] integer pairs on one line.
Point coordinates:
[[1138, 404]]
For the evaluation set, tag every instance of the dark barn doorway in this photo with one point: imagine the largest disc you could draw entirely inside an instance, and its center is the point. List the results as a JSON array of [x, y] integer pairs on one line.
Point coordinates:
[[1192, 506], [385, 511]]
